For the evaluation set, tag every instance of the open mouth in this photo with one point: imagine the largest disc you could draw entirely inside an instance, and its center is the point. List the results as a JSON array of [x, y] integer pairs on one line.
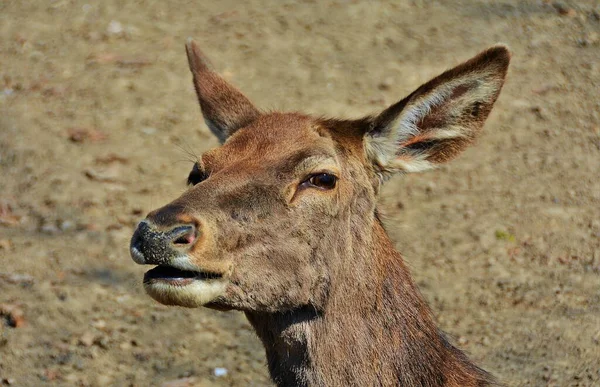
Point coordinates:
[[174, 276], [172, 286]]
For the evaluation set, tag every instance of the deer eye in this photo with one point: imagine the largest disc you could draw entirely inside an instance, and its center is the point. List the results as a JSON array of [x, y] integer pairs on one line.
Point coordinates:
[[323, 180], [196, 175]]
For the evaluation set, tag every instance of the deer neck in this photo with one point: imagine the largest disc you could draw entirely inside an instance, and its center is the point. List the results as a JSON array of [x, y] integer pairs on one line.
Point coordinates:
[[375, 330]]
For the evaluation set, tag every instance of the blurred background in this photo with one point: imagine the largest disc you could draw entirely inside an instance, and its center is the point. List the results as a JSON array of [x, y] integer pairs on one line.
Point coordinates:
[[99, 124]]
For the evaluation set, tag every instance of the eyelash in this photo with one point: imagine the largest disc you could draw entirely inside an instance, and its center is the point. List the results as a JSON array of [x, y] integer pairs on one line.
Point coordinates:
[[322, 180], [196, 176]]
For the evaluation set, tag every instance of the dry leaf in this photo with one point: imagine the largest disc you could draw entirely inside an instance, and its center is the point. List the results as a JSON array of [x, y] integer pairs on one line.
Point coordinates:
[[81, 134], [7, 216], [14, 314]]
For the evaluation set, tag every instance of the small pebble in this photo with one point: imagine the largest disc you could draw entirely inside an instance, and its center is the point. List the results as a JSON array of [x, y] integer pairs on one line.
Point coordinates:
[[149, 130], [219, 371], [49, 228], [87, 339], [67, 225], [114, 28]]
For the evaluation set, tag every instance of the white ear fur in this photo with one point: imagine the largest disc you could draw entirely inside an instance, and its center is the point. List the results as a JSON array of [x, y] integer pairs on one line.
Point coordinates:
[[383, 149], [438, 120]]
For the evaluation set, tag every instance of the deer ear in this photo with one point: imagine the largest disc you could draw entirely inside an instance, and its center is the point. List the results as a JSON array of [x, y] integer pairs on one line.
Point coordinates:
[[439, 119], [225, 108]]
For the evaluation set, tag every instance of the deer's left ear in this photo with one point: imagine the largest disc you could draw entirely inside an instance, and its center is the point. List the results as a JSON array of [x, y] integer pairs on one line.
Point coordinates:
[[440, 119]]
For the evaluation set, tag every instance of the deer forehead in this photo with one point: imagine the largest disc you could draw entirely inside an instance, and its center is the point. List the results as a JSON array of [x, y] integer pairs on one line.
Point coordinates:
[[282, 143]]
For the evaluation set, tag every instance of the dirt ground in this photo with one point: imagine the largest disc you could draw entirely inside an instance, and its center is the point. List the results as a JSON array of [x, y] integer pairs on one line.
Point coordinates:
[[98, 115]]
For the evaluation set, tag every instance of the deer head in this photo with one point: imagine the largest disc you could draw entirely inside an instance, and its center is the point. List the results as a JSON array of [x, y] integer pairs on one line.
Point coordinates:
[[282, 214]]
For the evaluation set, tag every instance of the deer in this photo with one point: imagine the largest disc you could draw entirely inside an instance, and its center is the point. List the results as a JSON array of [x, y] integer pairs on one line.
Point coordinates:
[[280, 222]]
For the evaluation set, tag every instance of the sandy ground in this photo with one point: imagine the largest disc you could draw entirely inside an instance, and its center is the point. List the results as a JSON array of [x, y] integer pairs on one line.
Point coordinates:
[[97, 114]]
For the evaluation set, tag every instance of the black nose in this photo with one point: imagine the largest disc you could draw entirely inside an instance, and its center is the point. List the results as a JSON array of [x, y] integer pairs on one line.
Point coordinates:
[[150, 245]]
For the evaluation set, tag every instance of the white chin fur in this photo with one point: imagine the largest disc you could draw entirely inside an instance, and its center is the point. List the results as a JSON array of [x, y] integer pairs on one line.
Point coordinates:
[[193, 295]]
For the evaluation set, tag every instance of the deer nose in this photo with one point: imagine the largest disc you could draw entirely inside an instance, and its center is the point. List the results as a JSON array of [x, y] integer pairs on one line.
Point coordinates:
[[150, 245]]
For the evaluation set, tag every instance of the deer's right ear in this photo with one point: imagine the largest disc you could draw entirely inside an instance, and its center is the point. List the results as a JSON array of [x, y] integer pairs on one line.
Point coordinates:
[[440, 119], [225, 109]]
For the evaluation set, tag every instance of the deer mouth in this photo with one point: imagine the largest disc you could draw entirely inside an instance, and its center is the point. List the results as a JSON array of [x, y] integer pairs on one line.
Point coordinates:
[[172, 286], [177, 276]]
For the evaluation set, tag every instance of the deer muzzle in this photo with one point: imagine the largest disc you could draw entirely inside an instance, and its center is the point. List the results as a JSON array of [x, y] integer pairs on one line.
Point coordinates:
[[152, 246], [175, 280]]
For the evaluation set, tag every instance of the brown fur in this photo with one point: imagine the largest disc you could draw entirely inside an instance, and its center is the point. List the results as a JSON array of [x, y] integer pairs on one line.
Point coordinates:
[[313, 269]]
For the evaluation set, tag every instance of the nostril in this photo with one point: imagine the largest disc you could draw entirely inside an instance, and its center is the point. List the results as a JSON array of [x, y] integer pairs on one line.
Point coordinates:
[[136, 240], [183, 235], [184, 240], [136, 248]]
